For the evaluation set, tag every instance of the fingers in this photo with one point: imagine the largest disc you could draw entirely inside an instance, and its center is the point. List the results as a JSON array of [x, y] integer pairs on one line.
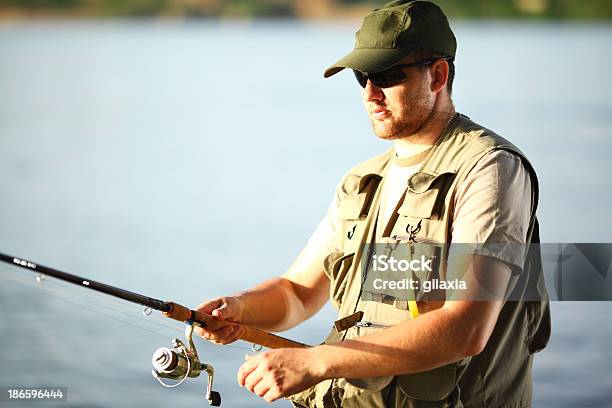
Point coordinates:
[[271, 395], [225, 335], [261, 389], [246, 369], [208, 306], [261, 384], [225, 311], [253, 379], [223, 308], [266, 376], [252, 376]]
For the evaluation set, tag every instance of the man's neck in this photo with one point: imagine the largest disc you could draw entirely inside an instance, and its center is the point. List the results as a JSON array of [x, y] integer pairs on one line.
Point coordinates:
[[427, 135]]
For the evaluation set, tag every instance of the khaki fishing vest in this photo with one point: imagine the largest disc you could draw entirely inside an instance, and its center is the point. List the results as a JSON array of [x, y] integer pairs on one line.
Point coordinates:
[[501, 374]]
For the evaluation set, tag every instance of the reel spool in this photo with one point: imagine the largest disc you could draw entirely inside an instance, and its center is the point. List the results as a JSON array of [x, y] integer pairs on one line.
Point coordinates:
[[180, 362]]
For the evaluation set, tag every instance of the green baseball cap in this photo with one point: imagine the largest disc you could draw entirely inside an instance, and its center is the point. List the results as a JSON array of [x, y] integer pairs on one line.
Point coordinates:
[[390, 33]]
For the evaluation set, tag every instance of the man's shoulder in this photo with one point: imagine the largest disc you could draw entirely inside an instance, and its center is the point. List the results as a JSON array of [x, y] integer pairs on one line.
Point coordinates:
[[354, 178], [373, 165], [485, 140], [477, 134], [492, 157]]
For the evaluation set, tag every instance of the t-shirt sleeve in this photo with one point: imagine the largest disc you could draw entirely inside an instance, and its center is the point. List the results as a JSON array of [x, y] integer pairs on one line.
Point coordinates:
[[493, 209], [326, 236]]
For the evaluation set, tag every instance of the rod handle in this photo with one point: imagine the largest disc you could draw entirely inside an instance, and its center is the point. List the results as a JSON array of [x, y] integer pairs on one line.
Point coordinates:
[[250, 334]]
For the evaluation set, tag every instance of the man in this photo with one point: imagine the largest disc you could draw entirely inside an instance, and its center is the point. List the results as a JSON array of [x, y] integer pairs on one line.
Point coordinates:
[[446, 180]]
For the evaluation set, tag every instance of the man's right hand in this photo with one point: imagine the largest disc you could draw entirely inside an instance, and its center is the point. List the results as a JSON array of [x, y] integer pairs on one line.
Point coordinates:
[[228, 309]]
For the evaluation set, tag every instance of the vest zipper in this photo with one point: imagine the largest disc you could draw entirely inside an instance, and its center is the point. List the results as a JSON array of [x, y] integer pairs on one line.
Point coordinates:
[[372, 324], [415, 240], [403, 237]]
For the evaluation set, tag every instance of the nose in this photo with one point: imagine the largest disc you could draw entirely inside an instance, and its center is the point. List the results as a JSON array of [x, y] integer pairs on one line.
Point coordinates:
[[373, 93]]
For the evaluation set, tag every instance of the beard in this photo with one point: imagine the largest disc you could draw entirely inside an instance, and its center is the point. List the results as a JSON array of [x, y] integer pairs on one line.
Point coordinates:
[[406, 119], [393, 129]]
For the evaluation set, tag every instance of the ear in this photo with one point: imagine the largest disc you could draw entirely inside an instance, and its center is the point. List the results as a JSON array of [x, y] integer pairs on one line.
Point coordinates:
[[439, 71]]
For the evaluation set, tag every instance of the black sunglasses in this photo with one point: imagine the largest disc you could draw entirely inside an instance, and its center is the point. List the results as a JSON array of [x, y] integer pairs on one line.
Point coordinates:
[[392, 76]]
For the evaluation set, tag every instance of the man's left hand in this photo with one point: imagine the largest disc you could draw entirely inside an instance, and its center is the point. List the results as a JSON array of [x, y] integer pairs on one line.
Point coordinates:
[[279, 373]]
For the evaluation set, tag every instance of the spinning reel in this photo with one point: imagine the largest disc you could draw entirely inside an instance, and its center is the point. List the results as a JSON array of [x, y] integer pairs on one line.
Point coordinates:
[[181, 362]]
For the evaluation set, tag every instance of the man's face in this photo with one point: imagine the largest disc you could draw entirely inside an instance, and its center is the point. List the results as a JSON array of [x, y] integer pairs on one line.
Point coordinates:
[[401, 110]]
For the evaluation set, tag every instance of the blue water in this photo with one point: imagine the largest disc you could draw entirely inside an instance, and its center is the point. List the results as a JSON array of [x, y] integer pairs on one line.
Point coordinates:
[[149, 154]]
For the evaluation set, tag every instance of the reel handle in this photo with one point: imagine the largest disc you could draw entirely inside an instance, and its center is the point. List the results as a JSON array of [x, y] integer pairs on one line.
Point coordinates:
[[214, 399]]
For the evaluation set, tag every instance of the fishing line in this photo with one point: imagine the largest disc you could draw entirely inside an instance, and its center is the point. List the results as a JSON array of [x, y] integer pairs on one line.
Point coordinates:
[[61, 292], [85, 297], [58, 294]]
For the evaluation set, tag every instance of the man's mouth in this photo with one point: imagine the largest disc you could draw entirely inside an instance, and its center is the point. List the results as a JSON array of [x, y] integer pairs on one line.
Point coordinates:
[[379, 113]]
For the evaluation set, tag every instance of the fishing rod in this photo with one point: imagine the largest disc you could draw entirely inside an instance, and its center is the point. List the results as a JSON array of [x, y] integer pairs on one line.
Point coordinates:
[[181, 361]]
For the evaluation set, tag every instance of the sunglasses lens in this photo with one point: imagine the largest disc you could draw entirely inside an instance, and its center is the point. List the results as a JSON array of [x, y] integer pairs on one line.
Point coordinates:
[[391, 77], [361, 78]]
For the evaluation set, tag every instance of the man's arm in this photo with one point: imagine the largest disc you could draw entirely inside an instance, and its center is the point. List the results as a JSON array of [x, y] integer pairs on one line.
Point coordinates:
[[281, 303], [276, 304], [456, 330]]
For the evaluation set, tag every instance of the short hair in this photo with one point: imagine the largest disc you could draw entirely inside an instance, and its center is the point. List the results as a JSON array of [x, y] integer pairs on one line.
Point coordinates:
[[451, 66]]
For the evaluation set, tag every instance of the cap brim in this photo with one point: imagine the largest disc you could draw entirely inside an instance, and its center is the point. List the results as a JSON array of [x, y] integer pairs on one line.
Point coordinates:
[[367, 60]]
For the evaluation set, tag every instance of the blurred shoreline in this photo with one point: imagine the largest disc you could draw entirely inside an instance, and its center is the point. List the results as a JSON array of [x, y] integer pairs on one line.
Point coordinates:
[[252, 22], [539, 10]]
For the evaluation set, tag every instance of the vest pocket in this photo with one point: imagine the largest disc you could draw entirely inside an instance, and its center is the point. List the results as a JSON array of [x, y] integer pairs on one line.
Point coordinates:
[[351, 207], [425, 194], [538, 321], [432, 385], [337, 266], [351, 222], [423, 207], [358, 198]]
